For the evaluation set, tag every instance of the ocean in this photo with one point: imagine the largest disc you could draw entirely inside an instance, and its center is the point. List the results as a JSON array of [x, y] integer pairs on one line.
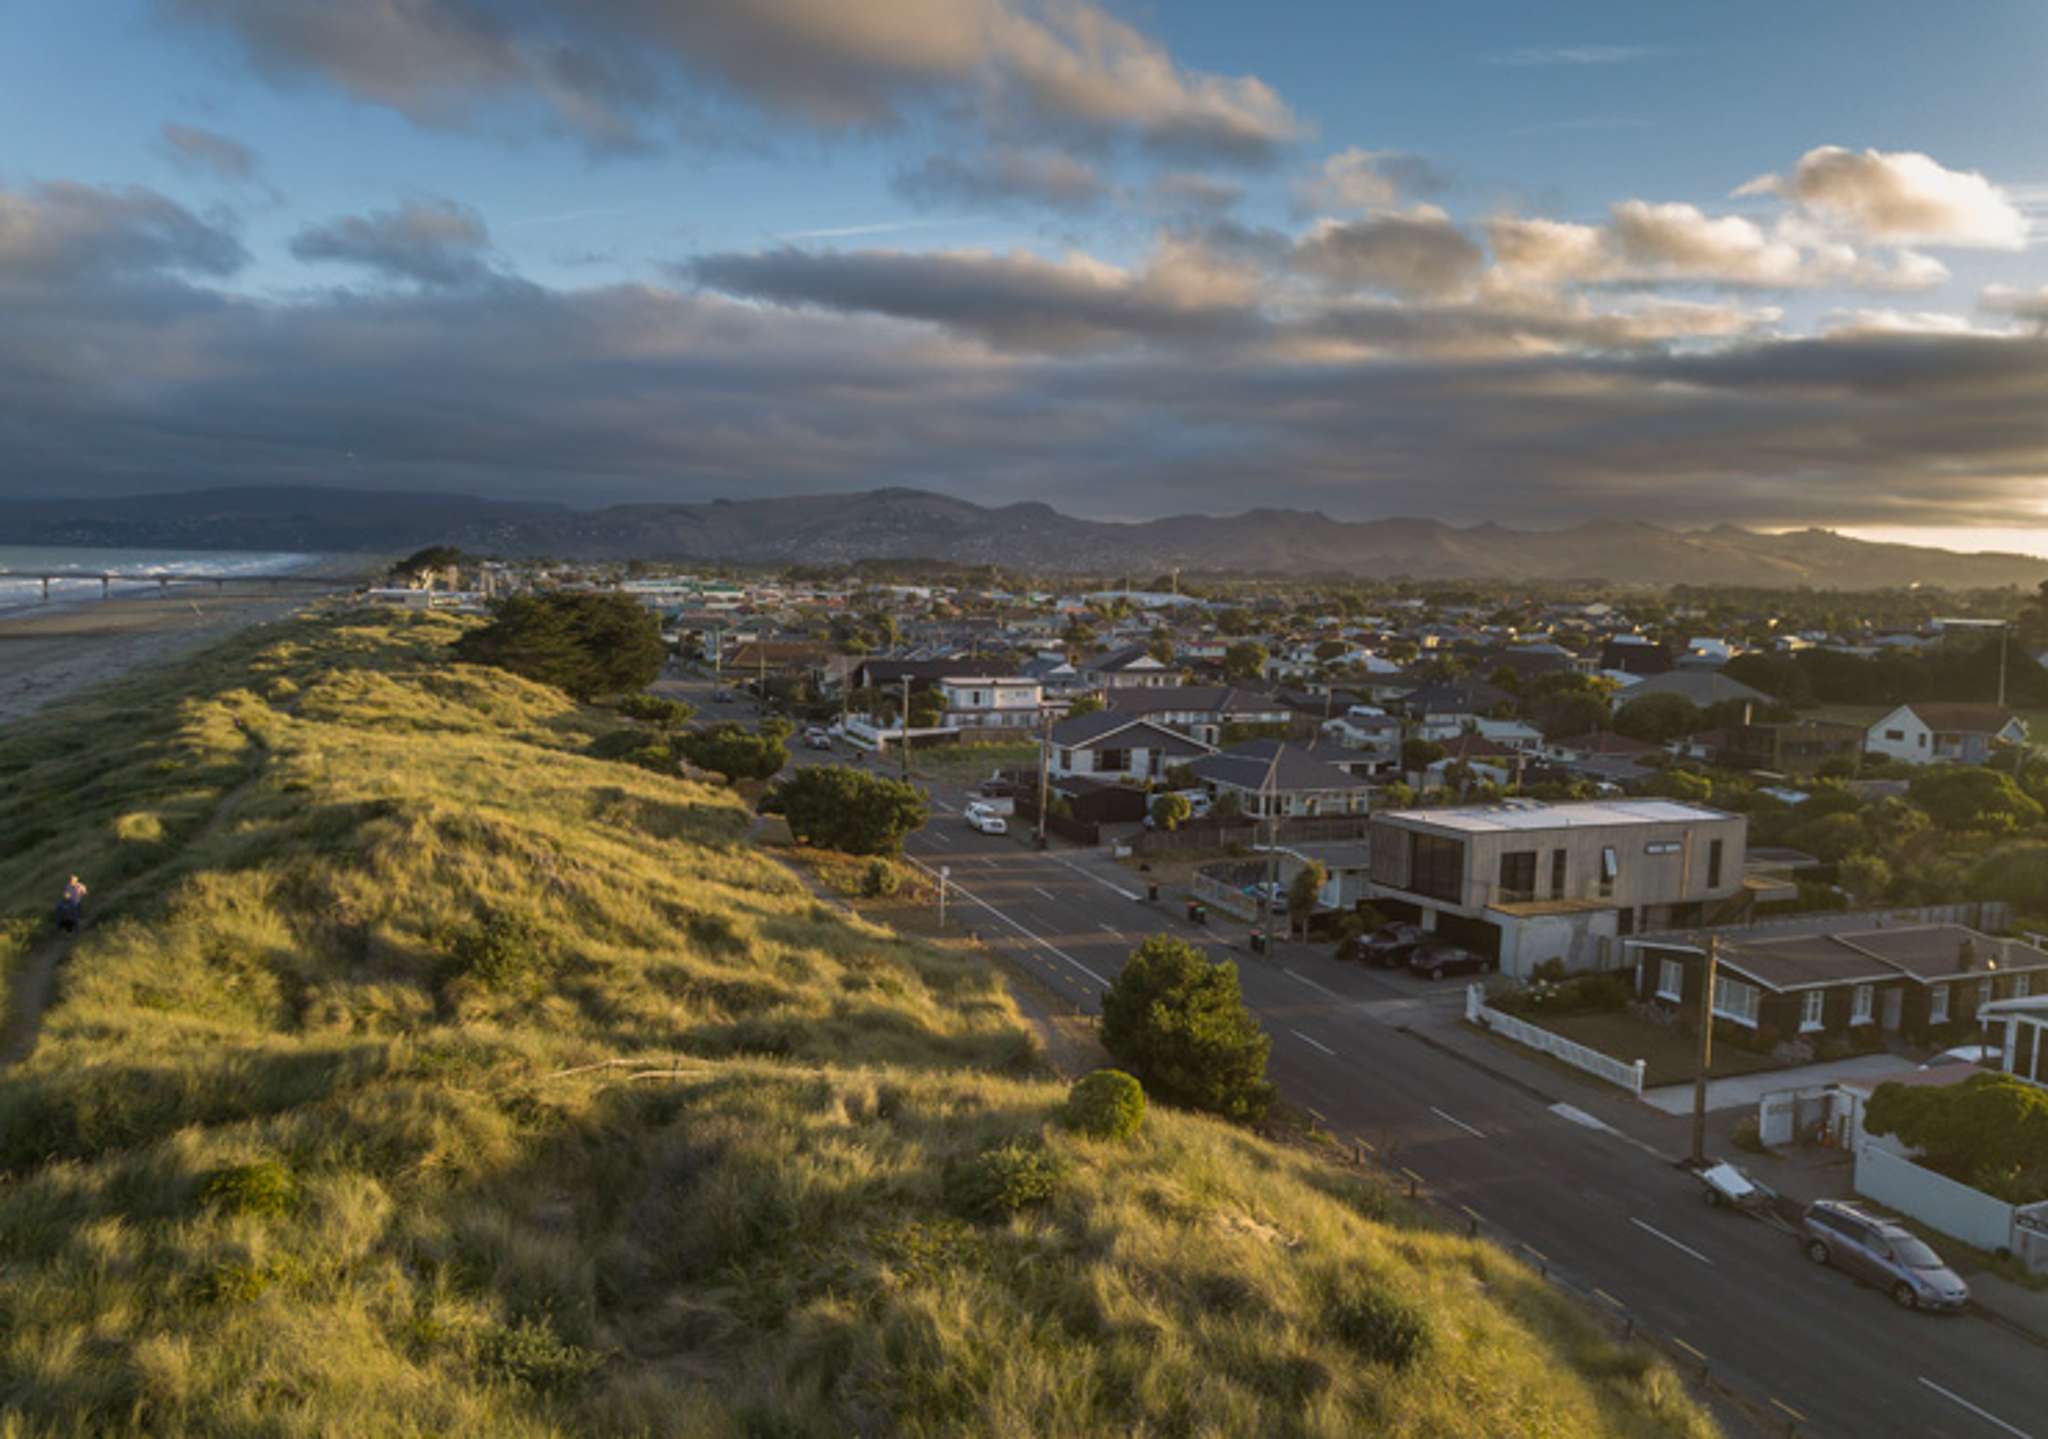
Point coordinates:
[[23, 596]]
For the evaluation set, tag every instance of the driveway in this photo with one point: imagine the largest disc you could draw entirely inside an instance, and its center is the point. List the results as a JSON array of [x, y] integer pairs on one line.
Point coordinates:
[[1747, 1089]]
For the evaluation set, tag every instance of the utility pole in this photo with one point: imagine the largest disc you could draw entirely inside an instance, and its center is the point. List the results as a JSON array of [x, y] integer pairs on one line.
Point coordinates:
[[1271, 799], [1044, 773], [1699, 1082], [903, 733], [2004, 629]]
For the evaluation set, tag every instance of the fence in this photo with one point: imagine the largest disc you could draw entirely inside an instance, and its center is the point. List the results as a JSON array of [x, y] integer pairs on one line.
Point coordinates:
[[1226, 896], [1795, 1116], [1935, 1200], [1628, 1075]]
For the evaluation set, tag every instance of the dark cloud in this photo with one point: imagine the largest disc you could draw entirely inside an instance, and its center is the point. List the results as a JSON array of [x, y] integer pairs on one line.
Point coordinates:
[[1419, 253], [208, 151], [1002, 176], [429, 242], [63, 233], [613, 71]]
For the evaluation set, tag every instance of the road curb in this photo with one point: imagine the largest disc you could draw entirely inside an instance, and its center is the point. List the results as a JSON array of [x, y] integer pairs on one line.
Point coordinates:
[[1484, 1068]]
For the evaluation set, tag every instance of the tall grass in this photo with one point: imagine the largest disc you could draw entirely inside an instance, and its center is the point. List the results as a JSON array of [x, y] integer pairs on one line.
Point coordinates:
[[428, 1076]]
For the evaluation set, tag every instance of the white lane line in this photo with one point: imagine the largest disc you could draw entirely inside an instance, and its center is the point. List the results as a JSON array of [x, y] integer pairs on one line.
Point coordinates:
[[1453, 1119], [1955, 1398], [1048, 894], [1317, 1044], [1327, 993], [1087, 874], [940, 839], [1682, 1248], [1580, 1117], [943, 807], [1111, 930], [964, 892]]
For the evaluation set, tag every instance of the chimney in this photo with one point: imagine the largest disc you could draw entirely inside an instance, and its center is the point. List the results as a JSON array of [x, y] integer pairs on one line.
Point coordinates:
[[1966, 955]]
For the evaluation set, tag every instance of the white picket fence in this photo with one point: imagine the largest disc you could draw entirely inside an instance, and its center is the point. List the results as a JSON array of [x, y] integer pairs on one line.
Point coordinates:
[[1627, 1074]]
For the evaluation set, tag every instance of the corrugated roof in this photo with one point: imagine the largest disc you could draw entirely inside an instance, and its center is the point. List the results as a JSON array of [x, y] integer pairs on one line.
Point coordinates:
[[1496, 818]]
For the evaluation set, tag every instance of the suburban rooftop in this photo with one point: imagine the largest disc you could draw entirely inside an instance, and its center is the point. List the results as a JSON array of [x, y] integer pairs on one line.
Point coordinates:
[[1489, 819]]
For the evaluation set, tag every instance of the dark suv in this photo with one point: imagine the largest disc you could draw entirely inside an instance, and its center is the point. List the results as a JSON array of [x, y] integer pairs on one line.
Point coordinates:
[[1385, 947], [1881, 1253], [1437, 959]]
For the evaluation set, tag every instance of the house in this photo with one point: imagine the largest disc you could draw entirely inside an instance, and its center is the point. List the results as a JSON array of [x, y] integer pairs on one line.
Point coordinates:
[[876, 673], [2021, 1021], [1601, 744], [1800, 748], [1488, 760], [1133, 665], [1107, 745], [1454, 701], [1346, 862], [1927, 733], [1300, 779], [988, 702], [1054, 672], [1634, 655], [1371, 742], [1702, 687], [1199, 710], [1524, 882], [1917, 981]]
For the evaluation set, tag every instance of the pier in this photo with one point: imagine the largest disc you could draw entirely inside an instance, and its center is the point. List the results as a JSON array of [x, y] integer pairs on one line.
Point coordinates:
[[109, 578]]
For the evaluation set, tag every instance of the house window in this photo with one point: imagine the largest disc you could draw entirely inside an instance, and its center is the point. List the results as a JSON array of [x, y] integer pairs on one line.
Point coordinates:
[[2022, 985], [1066, 759], [1735, 1000], [1557, 863], [1436, 866], [1894, 734], [1863, 1003], [1610, 868], [1518, 874], [1937, 1004], [1112, 761], [1984, 995], [1670, 980], [1714, 864], [1813, 1009]]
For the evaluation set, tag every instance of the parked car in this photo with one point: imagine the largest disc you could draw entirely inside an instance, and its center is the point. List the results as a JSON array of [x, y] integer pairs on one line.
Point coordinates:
[[987, 821], [722, 697], [1436, 959], [1270, 894], [817, 738], [1386, 947], [1882, 1253], [1986, 1054]]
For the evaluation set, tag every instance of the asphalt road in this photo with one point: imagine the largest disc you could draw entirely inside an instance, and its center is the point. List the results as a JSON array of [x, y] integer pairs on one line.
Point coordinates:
[[1809, 1350]]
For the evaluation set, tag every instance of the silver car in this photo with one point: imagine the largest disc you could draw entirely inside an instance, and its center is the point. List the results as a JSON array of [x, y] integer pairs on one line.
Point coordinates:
[[1882, 1253]]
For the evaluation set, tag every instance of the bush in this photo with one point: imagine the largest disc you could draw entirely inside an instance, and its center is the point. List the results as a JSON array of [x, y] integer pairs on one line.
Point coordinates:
[[1170, 811], [880, 879], [532, 1355], [1550, 971], [1748, 1135], [1002, 1179], [1107, 1104], [264, 1188], [1384, 1329], [838, 807], [662, 713], [500, 951], [733, 750], [1181, 1025], [585, 644]]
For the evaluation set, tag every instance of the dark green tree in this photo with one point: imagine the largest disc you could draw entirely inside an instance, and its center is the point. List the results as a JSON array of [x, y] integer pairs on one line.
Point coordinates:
[[1990, 1131], [1179, 1023], [837, 807], [426, 561], [1245, 660], [1658, 718], [585, 644], [733, 750], [1958, 798]]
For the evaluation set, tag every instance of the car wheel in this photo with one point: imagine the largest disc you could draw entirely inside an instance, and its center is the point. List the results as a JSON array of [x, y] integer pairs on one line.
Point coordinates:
[[1437, 973], [1817, 1251], [1904, 1297], [1713, 1198]]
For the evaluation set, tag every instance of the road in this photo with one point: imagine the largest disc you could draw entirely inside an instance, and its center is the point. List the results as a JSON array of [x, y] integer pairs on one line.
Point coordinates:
[[1809, 1349]]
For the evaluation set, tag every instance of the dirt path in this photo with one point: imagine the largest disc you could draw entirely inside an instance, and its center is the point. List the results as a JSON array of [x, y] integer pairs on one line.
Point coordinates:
[[35, 977]]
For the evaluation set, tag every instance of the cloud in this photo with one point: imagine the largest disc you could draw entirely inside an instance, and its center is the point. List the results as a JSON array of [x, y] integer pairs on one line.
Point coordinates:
[[1003, 175], [1530, 56], [612, 71], [1419, 252], [1900, 198], [2023, 304], [208, 151], [1644, 243], [1192, 192], [429, 242], [1354, 181], [63, 232]]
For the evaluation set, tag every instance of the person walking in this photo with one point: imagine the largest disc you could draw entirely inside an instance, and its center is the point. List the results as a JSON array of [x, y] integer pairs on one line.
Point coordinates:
[[71, 905]]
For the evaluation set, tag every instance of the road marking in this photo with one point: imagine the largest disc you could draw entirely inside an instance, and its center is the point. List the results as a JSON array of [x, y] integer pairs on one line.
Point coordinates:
[[1087, 874], [1318, 1115], [1610, 1298], [965, 893], [1783, 1407], [1453, 1119], [943, 806], [1316, 1043], [1331, 993], [1688, 1349], [1683, 1248], [1955, 1398], [1048, 894], [937, 838], [1111, 930], [1580, 1117]]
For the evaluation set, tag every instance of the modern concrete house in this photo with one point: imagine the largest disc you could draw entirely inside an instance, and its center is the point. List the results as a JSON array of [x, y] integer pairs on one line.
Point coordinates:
[[1922, 733], [1524, 882]]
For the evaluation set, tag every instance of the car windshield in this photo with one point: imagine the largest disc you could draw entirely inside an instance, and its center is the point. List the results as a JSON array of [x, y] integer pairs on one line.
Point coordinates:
[[1915, 1255]]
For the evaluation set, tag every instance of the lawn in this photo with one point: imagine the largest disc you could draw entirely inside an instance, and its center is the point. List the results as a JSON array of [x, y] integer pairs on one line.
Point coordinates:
[[1669, 1056], [971, 763]]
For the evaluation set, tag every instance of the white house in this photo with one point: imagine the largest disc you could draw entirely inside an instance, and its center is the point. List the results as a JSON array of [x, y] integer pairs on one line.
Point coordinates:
[[1922, 733], [989, 702], [1129, 666], [1110, 746]]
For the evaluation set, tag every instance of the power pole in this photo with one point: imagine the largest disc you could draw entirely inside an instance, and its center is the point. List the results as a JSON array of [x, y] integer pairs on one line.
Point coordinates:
[[1044, 773], [1699, 1082], [2004, 629], [903, 733], [1272, 844]]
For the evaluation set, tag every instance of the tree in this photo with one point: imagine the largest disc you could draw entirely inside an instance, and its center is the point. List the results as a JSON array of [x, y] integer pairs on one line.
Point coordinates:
[[421, 563], [1170, 811], [1181, 1026], [1327, 650], [1865, 876], [585, 644], [733, 750], [1160, 647], [1658, 718], [1245, 660], [1683, 784], [927, 709], [1304, 892], [1990, 1131], [1084, 705], [838, 807], [1420, 754], [659, 712], [1829, 837], [1959, 797]]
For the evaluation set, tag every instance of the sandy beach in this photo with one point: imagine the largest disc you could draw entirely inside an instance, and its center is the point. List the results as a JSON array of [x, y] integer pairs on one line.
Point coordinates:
[[52, 656]]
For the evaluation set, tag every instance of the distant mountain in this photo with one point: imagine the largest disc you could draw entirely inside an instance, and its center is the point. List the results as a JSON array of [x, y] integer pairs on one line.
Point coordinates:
[[917, 524]]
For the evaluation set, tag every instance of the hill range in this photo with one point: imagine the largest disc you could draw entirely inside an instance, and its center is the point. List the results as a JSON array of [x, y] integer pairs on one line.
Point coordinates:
[[919, 524]]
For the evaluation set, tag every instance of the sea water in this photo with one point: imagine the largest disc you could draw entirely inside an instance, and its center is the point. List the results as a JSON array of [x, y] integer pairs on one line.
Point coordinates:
[[20, 596]]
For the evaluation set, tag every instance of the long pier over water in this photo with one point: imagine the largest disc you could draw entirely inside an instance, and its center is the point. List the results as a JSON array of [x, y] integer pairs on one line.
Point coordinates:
[[109, 578]]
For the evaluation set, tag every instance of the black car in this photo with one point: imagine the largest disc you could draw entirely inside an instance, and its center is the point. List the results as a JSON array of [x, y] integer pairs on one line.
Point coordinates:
[[1437, 959], [1385, 947]]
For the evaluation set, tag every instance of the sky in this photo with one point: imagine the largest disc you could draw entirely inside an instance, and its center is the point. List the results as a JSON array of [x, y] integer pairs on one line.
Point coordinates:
[[1767, 265]]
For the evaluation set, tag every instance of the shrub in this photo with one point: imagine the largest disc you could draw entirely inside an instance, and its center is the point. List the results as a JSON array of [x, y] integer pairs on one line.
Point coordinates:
[[733, 750], [1107, 1104], [1170, 811], [1002, 1179], [500, 951], [1385, 1329], [1748, 1135], [1181, 1025], [838, 807], [264, 1188], [880, 879], [585, 644], [663, 713], [1551, 971], [532, 1355]]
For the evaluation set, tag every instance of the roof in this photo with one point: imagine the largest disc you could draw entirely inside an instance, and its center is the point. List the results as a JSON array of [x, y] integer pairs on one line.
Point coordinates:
[[1126, 658], [1932, 951], [1206, 699], [1960, 718], [1606, 742], [1497, 819], [1458, 697], [1801, 961], [1333, 854], [1086, 730], [1702, 687], [1479, 747], [1258, 763]]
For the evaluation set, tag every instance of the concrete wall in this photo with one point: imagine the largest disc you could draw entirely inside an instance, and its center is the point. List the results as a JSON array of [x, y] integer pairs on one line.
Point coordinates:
[[1935, 1200]]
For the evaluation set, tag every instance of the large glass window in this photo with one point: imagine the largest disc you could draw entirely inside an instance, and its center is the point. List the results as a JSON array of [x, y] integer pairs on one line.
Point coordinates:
[[1518, 874], [1714, 864], [1557, 864], [1813, 1009], [1734, 1000], [1670, 980], [1436, 866], [1860, 1009]]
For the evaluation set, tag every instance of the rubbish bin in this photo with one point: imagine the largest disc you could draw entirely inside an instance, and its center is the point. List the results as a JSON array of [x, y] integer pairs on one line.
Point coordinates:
[[1198, 913], [1258, 941], [1152, 893]]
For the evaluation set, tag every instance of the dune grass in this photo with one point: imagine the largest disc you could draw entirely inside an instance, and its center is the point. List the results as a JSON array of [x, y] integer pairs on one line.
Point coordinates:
[[423, 1075]]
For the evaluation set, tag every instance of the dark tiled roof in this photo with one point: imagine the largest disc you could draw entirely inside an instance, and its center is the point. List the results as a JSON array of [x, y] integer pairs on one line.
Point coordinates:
[[1221, 700], [1248, 765], [1090, 729]]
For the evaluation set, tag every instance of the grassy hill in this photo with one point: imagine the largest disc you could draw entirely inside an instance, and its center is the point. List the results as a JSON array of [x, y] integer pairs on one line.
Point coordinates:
[[421, 1075]]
